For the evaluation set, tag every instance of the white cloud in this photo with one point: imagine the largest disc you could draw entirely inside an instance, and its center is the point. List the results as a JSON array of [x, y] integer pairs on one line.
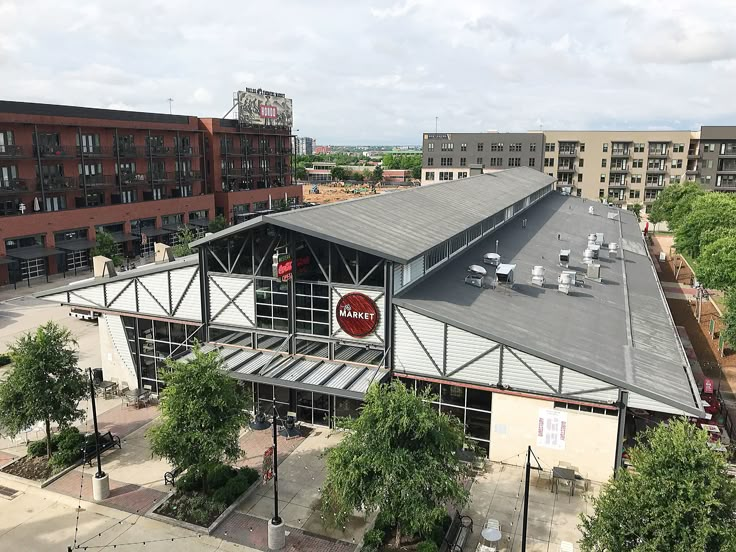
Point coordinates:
[[381, 72]]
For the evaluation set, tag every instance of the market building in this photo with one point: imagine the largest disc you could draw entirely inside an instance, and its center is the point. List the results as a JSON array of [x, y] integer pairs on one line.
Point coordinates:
[[535, 317]]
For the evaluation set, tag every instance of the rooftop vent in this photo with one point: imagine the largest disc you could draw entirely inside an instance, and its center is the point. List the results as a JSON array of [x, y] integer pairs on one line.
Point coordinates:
[[505, 274], [493, 259], [587, 256], [565, 281], [565, 257], [538, 276], [596, 249], [592, 237], [613, 250], [476, 276], [594, 272], [599, 238]]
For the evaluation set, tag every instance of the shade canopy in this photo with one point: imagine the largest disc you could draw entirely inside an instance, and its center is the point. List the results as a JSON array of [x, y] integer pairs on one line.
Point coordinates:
[[27, 253], [76, 245]]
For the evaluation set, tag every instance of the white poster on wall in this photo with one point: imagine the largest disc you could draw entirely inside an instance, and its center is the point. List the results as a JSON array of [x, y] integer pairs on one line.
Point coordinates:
[[551, 428]]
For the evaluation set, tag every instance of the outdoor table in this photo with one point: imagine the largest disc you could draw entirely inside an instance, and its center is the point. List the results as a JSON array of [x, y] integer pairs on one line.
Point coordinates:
[[491, 534], [107, 387], [711, 428], [567, 474]]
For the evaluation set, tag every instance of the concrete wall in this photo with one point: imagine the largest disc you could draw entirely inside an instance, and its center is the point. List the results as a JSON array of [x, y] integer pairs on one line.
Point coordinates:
[[590, 443]]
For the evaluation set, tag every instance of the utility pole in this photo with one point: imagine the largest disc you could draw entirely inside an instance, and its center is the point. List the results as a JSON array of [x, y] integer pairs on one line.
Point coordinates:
[[276, 527], [101, 481], [171, 101], [527, 470]]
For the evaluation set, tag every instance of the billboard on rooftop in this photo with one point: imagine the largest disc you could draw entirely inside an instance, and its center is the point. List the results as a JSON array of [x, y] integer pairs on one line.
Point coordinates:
[[258, 107]]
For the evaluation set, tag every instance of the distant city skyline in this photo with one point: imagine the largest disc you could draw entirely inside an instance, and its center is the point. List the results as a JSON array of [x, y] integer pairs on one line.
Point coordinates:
[[380, 73]]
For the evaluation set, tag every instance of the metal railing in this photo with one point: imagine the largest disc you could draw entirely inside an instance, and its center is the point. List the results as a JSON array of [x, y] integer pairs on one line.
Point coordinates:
[[13, 185], [56, 182], [54, 151], [11, 151], [96, 180]]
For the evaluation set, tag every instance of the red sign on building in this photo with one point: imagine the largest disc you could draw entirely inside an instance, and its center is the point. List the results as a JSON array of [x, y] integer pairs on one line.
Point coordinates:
[[357, 314], [268, 111]]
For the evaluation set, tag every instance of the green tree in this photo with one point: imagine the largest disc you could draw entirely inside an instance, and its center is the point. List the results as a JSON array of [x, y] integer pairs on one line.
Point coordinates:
[[219, 223], [636, 209], [416, 173], [677, 498], [716, 265], [707, 216], [44, 384], [338, 173], [673, 203], [399, 457], [358, 176], [729, 318], [107, 247], [377, 173], [184, 237], [301, 173], [202, 413]]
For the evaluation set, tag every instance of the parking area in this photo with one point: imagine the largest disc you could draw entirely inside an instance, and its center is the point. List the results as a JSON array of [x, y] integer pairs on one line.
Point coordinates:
[[553, 517]]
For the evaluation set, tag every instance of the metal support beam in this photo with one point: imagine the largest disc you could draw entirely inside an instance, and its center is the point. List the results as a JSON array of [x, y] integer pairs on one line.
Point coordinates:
[[41, 184], [623, 401]]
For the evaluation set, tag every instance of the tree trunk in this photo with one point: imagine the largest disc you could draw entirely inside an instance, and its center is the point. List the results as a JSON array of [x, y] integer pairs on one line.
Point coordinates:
[[48, 438], [397, 544]]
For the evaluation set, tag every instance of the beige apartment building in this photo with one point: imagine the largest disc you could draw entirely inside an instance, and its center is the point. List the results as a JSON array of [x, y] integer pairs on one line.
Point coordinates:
[[624, 168], [621, 167]]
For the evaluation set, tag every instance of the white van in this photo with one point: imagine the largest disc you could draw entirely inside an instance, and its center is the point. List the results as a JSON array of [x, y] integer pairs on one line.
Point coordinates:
[[83, 314]]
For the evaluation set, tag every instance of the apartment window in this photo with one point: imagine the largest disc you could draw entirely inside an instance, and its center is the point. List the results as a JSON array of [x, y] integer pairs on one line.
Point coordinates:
[[7, 141], [549, 161], [446, 161], [514, 161], [312, 308], [675, 179], [603, 178], [128, 196], [603, 162], [634, 194], [580, 177], [479, 160], [447, 146], [709, 164], [429, 175], [463, 147], [636, 179], [462, 161], [497, 146], [446, 175], [480, 146], [89, 143], [601, 192], [710, 147], [582, 147], [430, 161], [549, 146], [7, 173], [605, 147], [639, 148], [637, 163], [430, 147], [462, 174], [677, 163], [495, 162], [532, 162], [678, 148], [515, 147], [533, 146]]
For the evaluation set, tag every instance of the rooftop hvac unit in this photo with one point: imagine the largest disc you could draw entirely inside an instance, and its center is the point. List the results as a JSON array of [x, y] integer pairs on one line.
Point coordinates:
[[612, 249], [594, 271], [476, 276], [596, 249], [565, 281], [592, 237], [505, 274], [599, 238], [565, 257], [538, 276], [588, 256], [493, 259]]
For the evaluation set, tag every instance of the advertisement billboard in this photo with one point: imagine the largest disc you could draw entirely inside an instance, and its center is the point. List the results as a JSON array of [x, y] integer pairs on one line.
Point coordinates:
[[258, 107]]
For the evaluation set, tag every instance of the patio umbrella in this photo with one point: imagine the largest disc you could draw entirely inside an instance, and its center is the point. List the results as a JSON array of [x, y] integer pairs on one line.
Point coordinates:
[[36, 204]]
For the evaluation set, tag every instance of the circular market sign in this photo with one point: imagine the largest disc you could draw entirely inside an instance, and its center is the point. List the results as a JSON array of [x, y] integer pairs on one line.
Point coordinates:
[[357, 314]]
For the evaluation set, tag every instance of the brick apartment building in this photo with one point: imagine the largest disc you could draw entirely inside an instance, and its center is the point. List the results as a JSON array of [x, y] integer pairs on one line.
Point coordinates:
[[66, 172]]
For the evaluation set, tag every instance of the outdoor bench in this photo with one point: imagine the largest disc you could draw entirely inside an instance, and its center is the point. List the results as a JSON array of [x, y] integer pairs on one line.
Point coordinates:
[[107, 441]]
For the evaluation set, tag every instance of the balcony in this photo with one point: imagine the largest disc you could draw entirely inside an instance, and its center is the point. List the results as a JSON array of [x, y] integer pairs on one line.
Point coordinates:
[[620, 152], [13, 186], [649, 185], [693, 154], [159, 151], [568, 152], [128, 151], [728, 151], [657, 153], [54, 151], [185, 151], [162, 177], [188, 176], [566, 169], [94, 151], [619, 169], [96, 180], [54, 183], [237, 173], [11, 152], [728, 168], [621, 184], [656, 170]]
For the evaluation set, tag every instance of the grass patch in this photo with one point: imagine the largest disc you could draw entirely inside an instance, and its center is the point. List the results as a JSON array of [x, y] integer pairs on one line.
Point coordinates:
[[192, 504]]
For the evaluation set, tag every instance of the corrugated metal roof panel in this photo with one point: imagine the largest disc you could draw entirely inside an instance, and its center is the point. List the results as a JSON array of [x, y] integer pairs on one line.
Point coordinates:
[[299, 369], [343, 378], [323, 372], [366, 378]]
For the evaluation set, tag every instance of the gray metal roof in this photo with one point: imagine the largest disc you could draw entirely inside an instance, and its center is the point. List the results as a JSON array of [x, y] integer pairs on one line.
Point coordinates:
[[402, 225], [619, 331]]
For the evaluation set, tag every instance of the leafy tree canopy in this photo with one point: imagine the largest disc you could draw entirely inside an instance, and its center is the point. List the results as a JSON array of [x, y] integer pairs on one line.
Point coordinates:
[[402, 161], [707, 215], [301, 173], [107, 247], [673, 202], [219, 223], [636, 209], [44, 384], [377, 173], [400, 457], [729, 318], [184, 236], [678, 498], [338, 173], [716, 265], [202, 412]]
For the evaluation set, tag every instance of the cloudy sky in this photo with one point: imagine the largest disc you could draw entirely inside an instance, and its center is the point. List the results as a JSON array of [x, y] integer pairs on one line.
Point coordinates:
[[380, 72]]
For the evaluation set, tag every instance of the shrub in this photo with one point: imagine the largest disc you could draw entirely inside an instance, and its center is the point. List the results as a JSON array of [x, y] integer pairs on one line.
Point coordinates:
[[63, 458], [198, 509], [4, 359], [230, 492], [189, 481], [69, 440], [38, 448], [373, 539], [219, 475], [250, 474], [427, 546]]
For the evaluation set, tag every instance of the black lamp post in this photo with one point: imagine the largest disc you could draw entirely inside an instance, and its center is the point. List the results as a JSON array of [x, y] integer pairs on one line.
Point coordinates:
[[100, 482]]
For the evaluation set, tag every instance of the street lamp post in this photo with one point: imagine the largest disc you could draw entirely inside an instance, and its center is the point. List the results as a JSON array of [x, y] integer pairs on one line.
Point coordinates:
[[101, 481]]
